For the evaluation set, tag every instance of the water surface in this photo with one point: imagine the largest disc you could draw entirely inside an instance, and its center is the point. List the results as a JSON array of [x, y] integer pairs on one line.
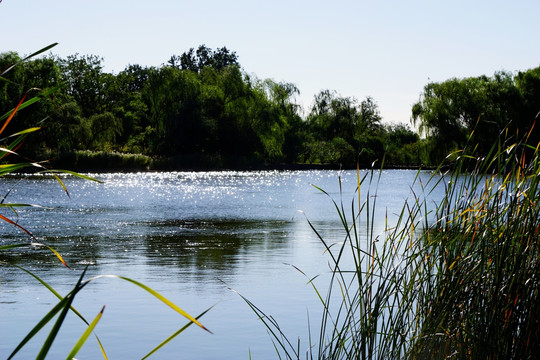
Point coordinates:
[[190, 236]]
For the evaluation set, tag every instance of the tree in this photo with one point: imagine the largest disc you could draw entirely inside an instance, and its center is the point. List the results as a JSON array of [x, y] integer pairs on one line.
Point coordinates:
[[471, 110], [344, 118], [84, 80], [196, 60], [528, 86]]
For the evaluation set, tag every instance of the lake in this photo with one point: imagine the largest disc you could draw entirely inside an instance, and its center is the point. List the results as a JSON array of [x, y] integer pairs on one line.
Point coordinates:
[[192, 236]]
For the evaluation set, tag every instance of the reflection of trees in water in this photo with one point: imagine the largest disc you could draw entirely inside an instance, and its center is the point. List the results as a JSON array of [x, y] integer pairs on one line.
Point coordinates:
[[213, 244]]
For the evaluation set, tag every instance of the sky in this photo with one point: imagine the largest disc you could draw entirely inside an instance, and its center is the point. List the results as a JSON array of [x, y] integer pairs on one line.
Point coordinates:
[[388, 50]]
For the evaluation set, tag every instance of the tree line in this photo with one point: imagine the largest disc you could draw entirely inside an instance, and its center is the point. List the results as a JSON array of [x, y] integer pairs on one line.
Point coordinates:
[[478, 111], [201, 108]]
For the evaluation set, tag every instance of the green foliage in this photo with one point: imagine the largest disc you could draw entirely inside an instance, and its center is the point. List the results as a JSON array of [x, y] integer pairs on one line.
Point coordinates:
[[404, 147], [343, 130], [201, 105], [204, 57], [449, 111]]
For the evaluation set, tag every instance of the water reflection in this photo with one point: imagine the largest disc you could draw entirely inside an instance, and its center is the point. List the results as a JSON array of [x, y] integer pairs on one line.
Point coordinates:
[[211, 244]]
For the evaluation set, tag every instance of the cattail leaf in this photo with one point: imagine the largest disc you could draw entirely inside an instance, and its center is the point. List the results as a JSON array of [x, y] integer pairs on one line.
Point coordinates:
[[85, 335]]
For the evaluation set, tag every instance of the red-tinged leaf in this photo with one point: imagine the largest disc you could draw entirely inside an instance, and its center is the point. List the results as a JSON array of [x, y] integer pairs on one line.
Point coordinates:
[[17, 225], [13, 113]]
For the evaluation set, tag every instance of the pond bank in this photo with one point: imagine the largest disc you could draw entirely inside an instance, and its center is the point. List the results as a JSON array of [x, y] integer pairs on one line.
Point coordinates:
[[88, 161]]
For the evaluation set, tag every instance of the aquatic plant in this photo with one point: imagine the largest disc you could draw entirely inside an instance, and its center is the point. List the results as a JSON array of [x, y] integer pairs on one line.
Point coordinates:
[[457, 279]]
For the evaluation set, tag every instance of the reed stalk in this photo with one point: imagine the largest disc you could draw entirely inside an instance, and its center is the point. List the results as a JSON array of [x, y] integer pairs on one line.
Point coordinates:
[[460, 281]]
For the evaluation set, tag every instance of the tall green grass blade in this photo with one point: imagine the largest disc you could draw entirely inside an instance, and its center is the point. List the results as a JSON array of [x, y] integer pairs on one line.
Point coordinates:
[[61, 317], [40, 51], [157, 296], [51, 289], [10, 168], [54, 252], [82, 176], [175, 334], [46, 48], [26, 131], [13, 246], [7, 80], [13, 205], [85, 335], [39, 326], [51, 314]]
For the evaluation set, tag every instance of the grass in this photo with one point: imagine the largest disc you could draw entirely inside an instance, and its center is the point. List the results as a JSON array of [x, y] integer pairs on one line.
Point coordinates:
[[84, 160], [459, 281]]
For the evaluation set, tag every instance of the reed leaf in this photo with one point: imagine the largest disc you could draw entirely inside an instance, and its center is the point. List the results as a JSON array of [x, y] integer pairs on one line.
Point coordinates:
[[13, 246], [157, 296], [2, 217], [85, 335], [455, 280], [51, 289], [9, 168], [41, 51], [63, 305], [8, 120], [175, 334], [61, 317], [42, 94]]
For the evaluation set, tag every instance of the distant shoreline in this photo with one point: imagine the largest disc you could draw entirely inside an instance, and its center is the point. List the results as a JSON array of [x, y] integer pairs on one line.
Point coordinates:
[[107, 162]]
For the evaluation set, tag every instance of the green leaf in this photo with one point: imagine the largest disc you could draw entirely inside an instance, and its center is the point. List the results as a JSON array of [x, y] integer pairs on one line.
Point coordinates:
[[33, 100], [50, 288], [26, 131], [12, 205], [65, 308], [159, 297], [54, 252], [29, 56], [164, 342], [65, 302], [82, 176], [9, 168], [12, 246], [85, 335]]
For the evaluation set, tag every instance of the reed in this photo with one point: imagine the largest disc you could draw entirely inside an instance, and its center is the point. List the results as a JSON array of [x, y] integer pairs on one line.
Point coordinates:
[[460, 280], [85, 160]]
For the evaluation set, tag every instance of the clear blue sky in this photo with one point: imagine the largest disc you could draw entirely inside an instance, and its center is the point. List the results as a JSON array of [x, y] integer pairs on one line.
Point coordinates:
[[384, 49]]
